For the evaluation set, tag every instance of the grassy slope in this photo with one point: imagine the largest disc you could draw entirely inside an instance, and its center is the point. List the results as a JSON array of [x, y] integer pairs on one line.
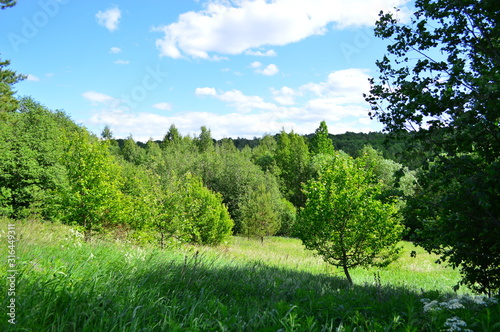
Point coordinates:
[[66, 285]]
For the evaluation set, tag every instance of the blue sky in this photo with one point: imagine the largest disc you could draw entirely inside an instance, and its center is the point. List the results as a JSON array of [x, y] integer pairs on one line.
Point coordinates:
[[243, 68]]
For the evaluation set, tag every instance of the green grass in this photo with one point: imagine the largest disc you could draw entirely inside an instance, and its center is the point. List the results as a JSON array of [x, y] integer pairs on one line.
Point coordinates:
[[64, 284]]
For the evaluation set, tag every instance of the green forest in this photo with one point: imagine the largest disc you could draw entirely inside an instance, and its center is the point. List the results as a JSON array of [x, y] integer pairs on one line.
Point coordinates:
[[430, 180]]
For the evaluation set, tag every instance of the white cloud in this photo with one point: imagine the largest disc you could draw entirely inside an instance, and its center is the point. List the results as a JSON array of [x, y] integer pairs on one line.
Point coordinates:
[[97, 97], [109, 18], [205, 92], [33, 78], [259, 53], [148, 125], [237, 99], [255, 64], [115, 50], [121, 62], [235, 27], [337, 100], [284, 96], [346, 85], [163, 106], [270, 70]]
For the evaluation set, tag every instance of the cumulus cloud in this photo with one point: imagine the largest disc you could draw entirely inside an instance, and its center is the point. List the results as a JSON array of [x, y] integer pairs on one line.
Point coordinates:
[[163, 106], [269, 70], [147, 125], [259, 53], [226, 27], [337, 100], [255, 64], [205, 92], [285, 95], [109, 18], [237, 99], [98, 98], [346, 86]]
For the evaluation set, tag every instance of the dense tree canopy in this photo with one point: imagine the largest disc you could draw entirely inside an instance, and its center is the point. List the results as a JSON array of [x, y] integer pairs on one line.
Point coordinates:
[[292, 157], [441, 79], [8, 78]]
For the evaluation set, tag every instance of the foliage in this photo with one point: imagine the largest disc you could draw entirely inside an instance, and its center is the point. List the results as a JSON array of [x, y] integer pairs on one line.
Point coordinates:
[[321, 142], [200, 214], [229, 173], [142, 195], [443, 80], [263, 155], [93, 199], [344, 222], [132, 152], [7, 3], [204, 141], [396, 179], [258, 214], [292, 157], [172, 136], [106, 133], [8, 78], [288, 217], [454, 216], [31, 146]]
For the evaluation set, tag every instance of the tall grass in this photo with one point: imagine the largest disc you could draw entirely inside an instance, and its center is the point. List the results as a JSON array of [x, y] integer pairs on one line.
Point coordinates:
[[65, 284]]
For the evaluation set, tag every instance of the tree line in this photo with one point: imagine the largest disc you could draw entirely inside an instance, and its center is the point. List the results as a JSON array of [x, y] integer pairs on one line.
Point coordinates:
[[182, 189]]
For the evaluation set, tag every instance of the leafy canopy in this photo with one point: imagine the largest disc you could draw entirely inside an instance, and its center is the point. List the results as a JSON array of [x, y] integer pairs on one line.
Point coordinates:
[[343, 221], [441, 79]]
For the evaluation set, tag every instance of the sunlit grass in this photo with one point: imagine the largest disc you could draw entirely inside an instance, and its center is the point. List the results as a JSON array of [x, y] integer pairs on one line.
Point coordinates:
[[65, 284]]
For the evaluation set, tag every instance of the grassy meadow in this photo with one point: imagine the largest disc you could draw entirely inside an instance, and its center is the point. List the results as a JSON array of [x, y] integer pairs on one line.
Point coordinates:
[[65, 284]]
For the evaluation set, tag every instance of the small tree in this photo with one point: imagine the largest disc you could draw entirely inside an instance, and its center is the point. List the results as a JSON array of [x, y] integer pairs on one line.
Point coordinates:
[[93, 199], [320, 142], [344, 222], [106, 133], [258, 214], [206, 219], [204, 141], [189, 212]]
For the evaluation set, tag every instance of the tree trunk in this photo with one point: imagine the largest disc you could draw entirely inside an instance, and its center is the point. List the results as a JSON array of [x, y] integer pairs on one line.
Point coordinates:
[[87, 225], [348, 275]]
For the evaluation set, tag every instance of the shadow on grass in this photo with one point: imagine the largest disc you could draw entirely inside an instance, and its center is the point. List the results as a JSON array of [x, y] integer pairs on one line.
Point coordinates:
[[255, 296], [205, 294]]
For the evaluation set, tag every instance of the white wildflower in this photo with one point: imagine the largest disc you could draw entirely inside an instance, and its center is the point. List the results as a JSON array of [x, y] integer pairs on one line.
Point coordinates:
[[452, 304], [456, 324], [128, 257], [430, 305], [480, 300], [75, 233]]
